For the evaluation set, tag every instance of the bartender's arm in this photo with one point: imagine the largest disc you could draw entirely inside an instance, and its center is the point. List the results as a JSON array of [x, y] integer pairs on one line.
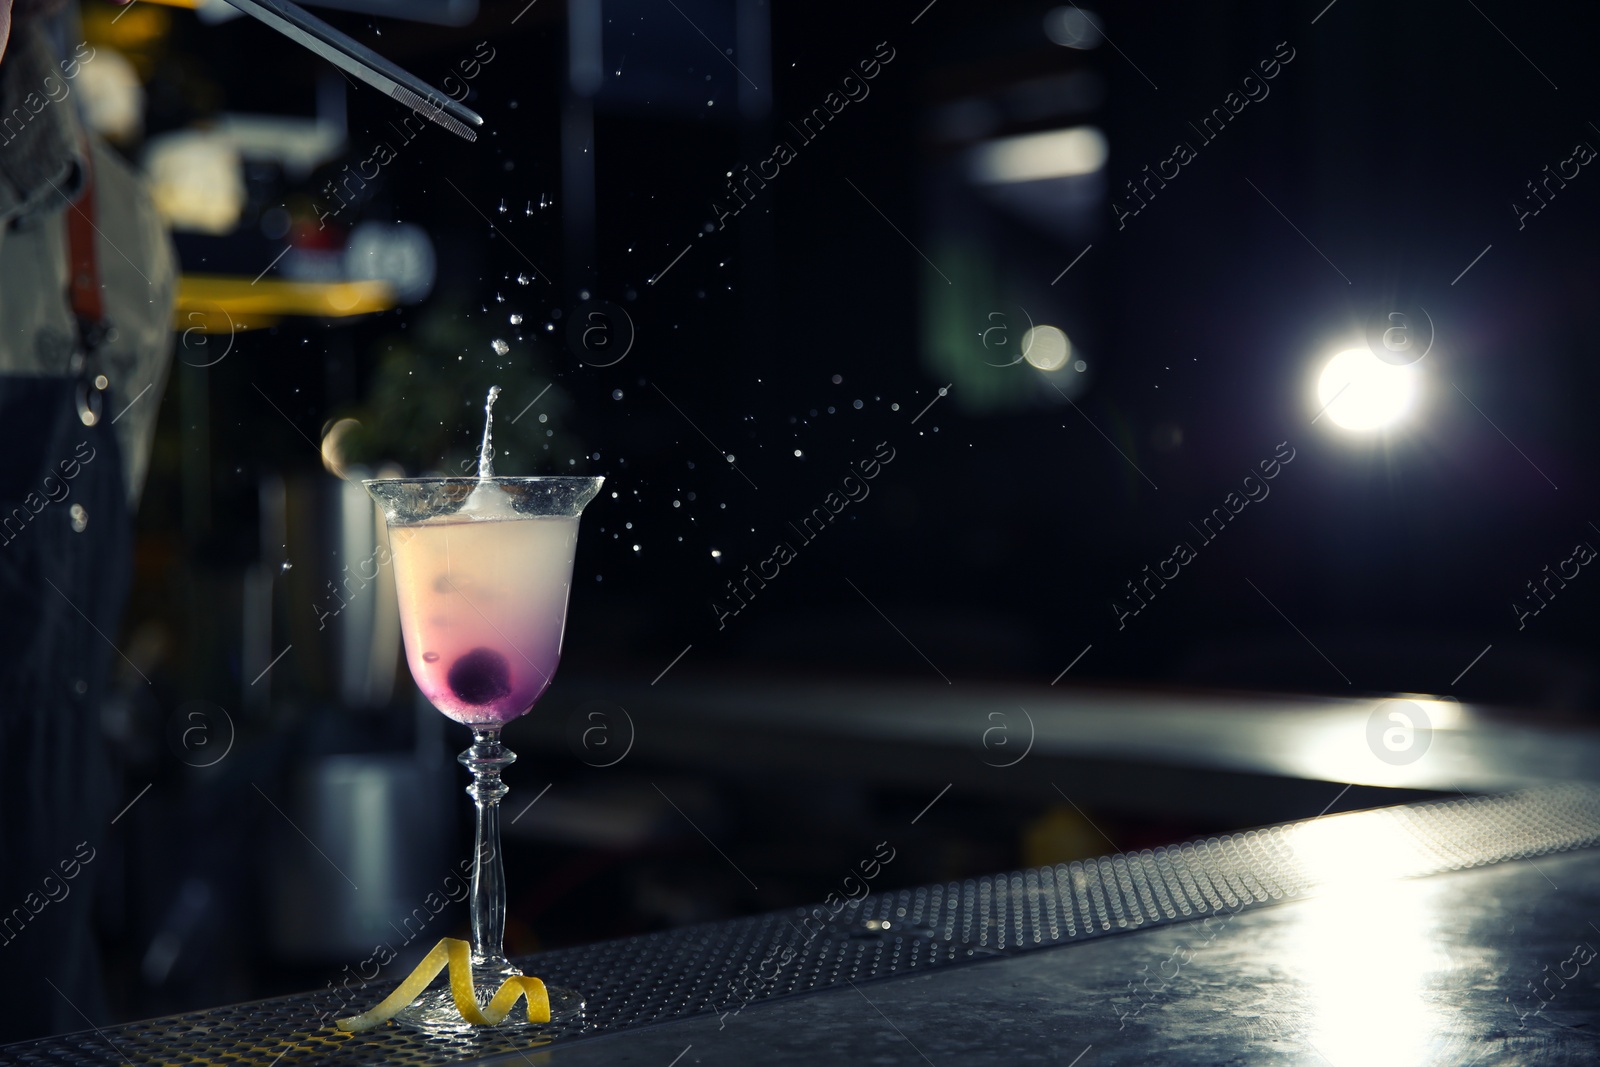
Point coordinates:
[[87, 278]]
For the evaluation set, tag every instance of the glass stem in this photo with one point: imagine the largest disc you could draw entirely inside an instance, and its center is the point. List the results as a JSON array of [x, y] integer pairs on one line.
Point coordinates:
[[486, 759]]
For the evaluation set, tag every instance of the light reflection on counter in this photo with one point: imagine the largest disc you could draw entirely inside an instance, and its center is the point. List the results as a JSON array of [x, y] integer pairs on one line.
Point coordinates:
[[1368, 957]]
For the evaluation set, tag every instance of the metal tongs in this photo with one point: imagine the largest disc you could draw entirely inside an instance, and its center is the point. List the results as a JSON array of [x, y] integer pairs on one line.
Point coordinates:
[[345, 52]]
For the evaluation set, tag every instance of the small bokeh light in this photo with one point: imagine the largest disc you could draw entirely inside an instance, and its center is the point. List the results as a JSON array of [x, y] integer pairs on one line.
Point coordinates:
[[1358, 391]]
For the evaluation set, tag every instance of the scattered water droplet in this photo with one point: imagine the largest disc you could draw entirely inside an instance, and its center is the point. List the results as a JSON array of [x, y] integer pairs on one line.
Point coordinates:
[[616, 394], [857, 405], [499, 346], [285, 567], [499, 299], [523, 279], [516, 320], [502, 205], [545, 201], [529, 209]]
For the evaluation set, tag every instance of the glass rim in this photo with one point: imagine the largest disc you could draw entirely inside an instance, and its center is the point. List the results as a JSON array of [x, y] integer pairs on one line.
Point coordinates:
[[473, 479]]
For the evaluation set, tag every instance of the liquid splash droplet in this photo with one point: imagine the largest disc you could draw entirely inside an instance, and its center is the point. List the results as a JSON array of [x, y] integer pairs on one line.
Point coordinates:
[[516, 320], [500, 347], [523, 279], [486, 450], [502, 205]]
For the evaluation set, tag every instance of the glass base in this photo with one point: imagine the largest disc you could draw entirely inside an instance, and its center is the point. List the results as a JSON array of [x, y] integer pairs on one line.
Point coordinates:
[[435, 1011]]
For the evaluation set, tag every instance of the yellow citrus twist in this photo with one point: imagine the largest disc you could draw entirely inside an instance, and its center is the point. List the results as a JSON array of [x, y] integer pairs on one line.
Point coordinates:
[[457, 955]]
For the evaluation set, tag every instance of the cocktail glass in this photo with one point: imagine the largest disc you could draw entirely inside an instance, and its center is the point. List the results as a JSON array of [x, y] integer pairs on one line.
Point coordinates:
[[483, 567]]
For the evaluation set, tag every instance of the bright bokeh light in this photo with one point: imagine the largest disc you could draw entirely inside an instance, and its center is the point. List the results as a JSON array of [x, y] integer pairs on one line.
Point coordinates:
[[1046, 347], [1034, 157], [1359, 391], [196, 178]]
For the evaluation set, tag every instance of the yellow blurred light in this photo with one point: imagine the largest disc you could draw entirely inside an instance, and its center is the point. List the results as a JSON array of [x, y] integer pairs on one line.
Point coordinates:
[[128, 29], [1359, 391], [1035, 156], [221, 303], [1046, 347]]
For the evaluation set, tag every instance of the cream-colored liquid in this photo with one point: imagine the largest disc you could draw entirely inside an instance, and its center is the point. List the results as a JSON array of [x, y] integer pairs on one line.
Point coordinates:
[[487, 599]]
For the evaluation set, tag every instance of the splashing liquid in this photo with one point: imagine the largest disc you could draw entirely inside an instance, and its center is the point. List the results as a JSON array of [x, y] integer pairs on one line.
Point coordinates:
[[487, 500], [486, 450]]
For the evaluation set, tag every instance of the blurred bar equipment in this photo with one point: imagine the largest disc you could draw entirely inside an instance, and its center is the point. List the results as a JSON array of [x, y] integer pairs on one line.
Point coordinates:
[[380, 822]]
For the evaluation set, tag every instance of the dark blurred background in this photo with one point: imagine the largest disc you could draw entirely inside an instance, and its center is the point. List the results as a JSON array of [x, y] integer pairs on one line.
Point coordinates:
[[872, 298]]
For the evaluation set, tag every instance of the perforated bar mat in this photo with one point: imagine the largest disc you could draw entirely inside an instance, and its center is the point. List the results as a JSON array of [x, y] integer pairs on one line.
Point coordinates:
[[721, 967]]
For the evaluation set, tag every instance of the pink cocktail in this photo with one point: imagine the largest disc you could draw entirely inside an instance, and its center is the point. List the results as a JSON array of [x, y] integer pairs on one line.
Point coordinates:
[[483, 602]]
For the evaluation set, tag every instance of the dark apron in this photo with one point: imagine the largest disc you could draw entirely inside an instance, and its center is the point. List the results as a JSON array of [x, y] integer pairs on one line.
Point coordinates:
[[65, 560]]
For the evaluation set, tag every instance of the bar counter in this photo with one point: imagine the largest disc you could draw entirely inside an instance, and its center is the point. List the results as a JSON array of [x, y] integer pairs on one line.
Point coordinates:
[[1455, 931]]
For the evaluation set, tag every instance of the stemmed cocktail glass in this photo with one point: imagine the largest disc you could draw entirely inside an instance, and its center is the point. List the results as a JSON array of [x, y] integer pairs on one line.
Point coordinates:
[[483, 567]]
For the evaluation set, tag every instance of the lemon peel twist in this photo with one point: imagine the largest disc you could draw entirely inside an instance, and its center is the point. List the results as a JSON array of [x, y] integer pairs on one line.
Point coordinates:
[[457, 955]]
